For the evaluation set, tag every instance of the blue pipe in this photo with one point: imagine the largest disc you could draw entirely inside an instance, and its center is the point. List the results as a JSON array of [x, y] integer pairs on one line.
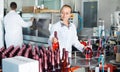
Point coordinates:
[[80, 23], [101, 59]]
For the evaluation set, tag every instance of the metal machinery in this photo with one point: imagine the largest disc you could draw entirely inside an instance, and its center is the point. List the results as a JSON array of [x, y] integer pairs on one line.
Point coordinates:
[[38, 33], [115, 20]]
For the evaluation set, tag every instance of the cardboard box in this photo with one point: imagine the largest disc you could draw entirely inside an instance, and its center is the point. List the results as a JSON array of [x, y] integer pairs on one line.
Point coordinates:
[[19, 64], [28, 9]]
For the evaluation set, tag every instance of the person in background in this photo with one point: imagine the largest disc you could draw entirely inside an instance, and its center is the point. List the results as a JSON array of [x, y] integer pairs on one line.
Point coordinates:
[[1, 34], [13, 24], [66, 32]]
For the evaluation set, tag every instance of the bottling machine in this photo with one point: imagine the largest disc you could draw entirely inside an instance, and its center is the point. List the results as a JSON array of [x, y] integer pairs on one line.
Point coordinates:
[[38, 33], [115, 20]]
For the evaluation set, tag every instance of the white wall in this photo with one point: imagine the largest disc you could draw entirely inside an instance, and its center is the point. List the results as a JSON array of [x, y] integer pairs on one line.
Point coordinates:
[[106, 8], [7, 4], [28, 2], [69, 2], [20, 3]]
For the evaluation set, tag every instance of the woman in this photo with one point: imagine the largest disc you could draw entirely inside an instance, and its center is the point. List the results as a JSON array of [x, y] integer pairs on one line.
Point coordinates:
[[66, 32]]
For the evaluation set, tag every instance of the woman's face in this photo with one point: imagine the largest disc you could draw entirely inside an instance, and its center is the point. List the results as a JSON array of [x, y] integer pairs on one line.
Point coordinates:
[[65, 13]]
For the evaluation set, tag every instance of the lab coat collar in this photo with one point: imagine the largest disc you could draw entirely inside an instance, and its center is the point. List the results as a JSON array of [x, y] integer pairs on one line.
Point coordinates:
[[12, 11], [62, 24]]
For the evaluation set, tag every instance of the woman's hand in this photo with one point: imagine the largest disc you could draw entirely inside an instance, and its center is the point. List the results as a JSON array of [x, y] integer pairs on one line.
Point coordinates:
[[54, 40]]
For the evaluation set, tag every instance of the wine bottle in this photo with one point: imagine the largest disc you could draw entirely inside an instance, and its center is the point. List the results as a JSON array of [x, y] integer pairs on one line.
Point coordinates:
[[88, 53], [45, 68], [20, 53], [63, 55], [23, 46], [63, 59], [43, 49], [41, 53], [30, 46], [30, 53], [34, 52], [37, 50], [88, 50], [58, 66], [55, 56], [53, 63], [49, 48], [14, 52], [49, 55], [7, 51], [66, 63], [1, 52], [40, 65], [27, 53], [99, 50], [55, 45], [2, 49], [36, 57]]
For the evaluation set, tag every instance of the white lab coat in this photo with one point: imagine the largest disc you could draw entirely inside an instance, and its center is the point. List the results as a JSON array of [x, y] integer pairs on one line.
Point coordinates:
[[1, 34], [67, 36], [13, 24]]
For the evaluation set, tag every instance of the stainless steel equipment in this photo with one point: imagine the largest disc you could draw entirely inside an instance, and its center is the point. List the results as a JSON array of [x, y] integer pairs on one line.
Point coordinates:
[[115, 21], [38, 33], [116, 17]]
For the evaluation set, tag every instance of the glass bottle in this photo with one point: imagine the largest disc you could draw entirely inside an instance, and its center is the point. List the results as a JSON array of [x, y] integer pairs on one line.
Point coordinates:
[[58, 66], [53, 63], [55, 45]]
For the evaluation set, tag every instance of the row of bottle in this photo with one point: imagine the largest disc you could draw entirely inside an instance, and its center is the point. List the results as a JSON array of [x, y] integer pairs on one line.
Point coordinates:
[[16, 51], [89, 52], [49, 60]]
